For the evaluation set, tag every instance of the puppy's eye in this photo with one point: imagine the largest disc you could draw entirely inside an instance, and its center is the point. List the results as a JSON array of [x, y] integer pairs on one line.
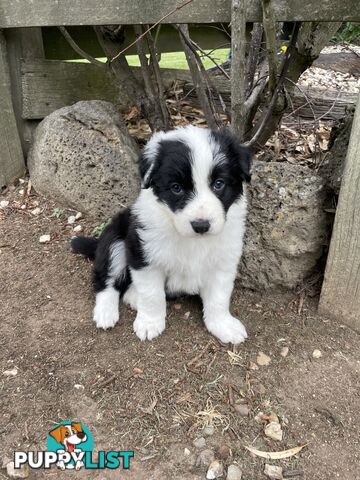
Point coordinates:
[[176, 188], [74, 432], [218, 185], [66, 434]]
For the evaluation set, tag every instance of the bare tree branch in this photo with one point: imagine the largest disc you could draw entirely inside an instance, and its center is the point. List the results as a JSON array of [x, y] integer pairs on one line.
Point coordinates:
[[159, 81], [253, 56], [278, 87], [271, 47], [238, 47], [79, 50], [198, 75], [179, 7]]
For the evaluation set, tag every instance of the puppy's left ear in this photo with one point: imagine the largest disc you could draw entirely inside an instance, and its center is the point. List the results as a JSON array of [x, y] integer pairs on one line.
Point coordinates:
[[242, 155]]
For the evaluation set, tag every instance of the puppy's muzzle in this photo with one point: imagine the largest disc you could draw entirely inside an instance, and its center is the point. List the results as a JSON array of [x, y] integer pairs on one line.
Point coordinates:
[[200, 226]]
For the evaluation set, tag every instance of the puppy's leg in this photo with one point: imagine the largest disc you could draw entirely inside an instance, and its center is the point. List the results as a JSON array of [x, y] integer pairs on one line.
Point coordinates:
[[216, 295], [110, 277], [149, 284]]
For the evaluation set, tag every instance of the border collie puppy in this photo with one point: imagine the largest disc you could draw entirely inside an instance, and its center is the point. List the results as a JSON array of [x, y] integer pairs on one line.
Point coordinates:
[[183, 235]]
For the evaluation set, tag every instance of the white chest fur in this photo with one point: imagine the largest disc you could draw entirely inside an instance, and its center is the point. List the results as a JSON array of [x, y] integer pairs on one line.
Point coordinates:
[[187, 262]]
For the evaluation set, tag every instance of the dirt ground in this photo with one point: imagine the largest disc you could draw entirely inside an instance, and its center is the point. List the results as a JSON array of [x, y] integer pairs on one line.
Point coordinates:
[[155, 398]]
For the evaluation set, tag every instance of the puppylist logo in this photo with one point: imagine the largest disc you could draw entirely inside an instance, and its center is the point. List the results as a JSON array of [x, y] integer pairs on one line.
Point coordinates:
[[70, 446]]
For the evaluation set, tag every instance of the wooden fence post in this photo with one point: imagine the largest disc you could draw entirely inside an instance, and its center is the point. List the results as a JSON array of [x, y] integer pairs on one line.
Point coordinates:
[[340, 296], [11, 156], [22, 44]]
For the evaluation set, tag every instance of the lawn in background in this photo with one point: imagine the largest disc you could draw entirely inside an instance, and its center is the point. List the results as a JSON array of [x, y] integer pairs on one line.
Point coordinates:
[[175, 59]]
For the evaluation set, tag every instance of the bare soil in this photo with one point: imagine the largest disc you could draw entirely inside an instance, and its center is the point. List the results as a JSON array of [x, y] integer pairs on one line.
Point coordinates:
[[148, 397]]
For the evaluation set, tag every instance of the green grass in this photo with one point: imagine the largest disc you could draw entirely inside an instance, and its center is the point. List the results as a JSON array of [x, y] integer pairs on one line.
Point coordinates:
[[175, 59]]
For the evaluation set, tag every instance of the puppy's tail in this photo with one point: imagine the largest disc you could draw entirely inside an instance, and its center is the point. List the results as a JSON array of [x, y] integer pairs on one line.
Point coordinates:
[[85, 246]]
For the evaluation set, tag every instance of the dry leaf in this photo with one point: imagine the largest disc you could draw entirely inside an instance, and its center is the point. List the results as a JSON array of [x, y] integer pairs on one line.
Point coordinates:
[[276, 455]]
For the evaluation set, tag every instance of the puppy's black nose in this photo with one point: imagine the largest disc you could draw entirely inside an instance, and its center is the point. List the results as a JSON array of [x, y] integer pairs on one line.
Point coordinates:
[[200, 226], [81, 435]]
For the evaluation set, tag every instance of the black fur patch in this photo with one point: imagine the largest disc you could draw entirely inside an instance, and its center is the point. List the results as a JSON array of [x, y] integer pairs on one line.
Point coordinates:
[[115, 231], [234, 171], [172, 166]]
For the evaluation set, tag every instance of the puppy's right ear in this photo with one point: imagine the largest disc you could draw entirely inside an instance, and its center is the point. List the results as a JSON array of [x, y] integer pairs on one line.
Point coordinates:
[[145, 169], [58, 433]]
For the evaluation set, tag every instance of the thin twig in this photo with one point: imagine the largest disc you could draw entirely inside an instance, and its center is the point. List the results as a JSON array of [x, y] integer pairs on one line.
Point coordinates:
[[198, 74], [219, 67], [279, 85], [79, 50], [159, 81], [253, 56], [238, 47], [179, 7]]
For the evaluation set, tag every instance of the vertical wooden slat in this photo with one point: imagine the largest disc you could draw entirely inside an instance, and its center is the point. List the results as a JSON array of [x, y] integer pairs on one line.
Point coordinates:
[[11, 155], [22, 44], [340, 296]]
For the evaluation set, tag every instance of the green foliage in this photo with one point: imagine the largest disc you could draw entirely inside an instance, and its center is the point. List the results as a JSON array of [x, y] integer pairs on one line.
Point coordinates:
[[57, 212], [98, 230], [348, 33]]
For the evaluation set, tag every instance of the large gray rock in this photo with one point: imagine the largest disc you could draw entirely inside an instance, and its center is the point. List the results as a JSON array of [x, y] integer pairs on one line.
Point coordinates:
[[287, 226], [84, 157]]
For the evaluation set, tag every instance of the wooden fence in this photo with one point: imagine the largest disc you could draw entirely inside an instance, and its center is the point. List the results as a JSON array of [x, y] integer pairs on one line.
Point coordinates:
[[34, 81]]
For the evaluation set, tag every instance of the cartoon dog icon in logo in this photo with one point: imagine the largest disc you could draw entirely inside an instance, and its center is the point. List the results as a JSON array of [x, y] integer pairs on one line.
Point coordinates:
[[70, 436]]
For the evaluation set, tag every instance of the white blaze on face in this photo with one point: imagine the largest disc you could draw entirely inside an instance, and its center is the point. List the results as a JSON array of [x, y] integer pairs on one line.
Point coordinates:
[[204, 205]]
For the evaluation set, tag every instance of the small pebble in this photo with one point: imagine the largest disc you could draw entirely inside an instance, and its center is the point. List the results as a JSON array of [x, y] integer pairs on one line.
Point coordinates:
[[21, 192], [199, 442], [233, 473], [177, 306], [273, 430], [186, 452], [262, 359], [223, 452], [36, 211], [11, 373], [253, 366], [316, 353], [205, 458], [71, 219], [44, 239], [78, 216], [284, 351], [242, 409], [208, 431], [274, 472], [23, 207], [273, 417], [78, 386], [78, 228], [4, 203], [215, 470]]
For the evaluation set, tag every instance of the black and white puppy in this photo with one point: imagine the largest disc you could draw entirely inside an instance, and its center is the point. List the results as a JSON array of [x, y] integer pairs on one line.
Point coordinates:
[[184, 234]]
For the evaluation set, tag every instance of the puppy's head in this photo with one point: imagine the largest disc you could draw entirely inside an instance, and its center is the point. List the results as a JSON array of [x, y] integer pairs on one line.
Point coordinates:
[[69, 435], [197, 174]]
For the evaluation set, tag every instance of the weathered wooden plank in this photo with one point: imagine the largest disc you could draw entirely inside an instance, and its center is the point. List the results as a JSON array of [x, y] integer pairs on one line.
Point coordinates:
[[57, 48], [24, 43], [11, 156], [28, 13], [340, 296], [51, 84]]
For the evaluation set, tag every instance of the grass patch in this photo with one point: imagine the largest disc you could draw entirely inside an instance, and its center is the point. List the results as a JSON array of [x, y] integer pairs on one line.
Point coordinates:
[[173, 59]]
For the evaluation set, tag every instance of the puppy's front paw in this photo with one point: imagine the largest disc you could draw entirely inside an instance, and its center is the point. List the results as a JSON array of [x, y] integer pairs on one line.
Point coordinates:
[[106, 311], [147, 328], [227, 329]]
